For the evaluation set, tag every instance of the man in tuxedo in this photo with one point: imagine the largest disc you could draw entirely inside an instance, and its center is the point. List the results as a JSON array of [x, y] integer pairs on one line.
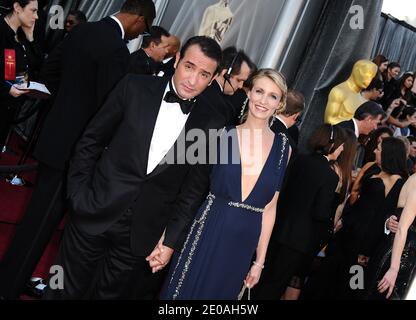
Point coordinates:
[[154, 49], [236, 67], [166, 68], [286, 120], [366, 119], [132, 187], [94, 58]]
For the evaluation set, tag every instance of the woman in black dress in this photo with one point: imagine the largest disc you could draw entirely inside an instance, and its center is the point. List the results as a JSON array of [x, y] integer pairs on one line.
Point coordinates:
[[20, 57]]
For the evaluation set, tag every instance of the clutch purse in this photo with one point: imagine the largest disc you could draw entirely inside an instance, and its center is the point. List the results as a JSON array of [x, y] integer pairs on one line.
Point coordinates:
[[243, 290]]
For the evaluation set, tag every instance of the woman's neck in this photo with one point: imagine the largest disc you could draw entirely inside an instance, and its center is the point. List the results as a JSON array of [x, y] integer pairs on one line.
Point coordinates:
[[255, 124], [12, 21]]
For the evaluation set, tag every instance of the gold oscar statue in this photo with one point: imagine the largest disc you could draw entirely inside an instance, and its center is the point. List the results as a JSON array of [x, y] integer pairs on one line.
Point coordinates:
[[345, 98]]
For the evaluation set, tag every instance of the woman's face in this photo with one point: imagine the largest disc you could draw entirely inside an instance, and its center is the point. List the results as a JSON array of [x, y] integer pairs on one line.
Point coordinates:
[[27, 15], [264, 98], [383, 66], [408, 83], [394, 72], [377, 152], [412, 118], [382, 136]]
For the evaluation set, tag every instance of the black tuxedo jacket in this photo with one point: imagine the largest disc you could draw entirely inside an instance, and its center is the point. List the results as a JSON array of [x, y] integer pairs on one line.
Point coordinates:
[[223, 105], [168, 68], [107, 175], [349, 125], [140, 63], [93, 58], [278, 126], [305, 212]]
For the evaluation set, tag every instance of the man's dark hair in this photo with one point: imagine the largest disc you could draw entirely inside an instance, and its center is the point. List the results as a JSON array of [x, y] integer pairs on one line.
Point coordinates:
[[155, 35], [411, 139], [376, 83], [207, 45], [393, 156], [369, 108], [295, 102], [79, 15], [233, 59], [144, 8]]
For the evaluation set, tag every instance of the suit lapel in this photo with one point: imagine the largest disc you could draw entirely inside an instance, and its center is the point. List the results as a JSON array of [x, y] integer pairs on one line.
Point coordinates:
[[149, 116]]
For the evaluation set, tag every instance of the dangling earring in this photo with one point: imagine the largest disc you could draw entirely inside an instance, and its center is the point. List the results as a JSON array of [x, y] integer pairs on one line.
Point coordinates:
[[273, 119]]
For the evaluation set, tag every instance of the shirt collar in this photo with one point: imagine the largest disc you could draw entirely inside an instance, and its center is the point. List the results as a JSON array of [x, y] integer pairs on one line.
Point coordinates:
[[357, 132], [120, 25], [167, 60], [278, 118]]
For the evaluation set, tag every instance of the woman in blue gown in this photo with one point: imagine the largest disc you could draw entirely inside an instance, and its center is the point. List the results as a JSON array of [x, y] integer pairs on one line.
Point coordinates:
[[235, 221]]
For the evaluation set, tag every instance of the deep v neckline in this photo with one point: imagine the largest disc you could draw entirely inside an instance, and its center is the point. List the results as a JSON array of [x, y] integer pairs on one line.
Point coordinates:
[[241, 168]]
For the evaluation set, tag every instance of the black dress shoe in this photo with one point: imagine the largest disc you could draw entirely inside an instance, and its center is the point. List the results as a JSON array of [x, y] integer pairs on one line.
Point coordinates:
[[35, 288]]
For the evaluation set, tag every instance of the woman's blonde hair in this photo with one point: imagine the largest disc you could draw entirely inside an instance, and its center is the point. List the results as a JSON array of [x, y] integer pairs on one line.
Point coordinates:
[[277, 78]]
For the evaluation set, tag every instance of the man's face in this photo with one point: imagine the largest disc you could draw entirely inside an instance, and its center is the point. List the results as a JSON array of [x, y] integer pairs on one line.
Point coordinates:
[[370, 124], [70, 22], [137, 26], [159, 51], [237, 80], [194, 72], [413, 150]]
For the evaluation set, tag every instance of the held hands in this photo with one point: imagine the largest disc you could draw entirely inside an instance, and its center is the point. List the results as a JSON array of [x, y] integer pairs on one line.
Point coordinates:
[[388, 282], [253, 275], [160, 256]]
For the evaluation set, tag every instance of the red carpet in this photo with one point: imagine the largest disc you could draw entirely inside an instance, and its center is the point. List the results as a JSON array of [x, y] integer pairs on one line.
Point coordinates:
[[13, 203]]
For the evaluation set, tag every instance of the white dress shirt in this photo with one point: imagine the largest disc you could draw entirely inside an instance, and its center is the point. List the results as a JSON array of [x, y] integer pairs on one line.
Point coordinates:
[[357, 132], [169, 124]]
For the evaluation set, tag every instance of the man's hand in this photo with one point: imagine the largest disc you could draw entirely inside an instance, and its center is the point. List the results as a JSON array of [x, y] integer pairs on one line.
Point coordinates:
[[160, 256], [393, 224]]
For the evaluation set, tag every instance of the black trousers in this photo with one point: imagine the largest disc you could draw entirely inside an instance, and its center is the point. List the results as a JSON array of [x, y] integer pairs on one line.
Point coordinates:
[[102, 266], [43, 215]]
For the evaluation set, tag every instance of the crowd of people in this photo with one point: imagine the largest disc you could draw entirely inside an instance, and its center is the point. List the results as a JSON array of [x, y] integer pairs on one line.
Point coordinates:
[[155, 212]]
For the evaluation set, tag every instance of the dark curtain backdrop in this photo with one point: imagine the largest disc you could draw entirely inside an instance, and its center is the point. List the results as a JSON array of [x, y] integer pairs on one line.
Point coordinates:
[[330, 55], [397, 41]]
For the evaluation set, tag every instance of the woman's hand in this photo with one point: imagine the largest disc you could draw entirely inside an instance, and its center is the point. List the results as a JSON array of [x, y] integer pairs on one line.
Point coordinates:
[[253, 276], [28, 32], [388, 282], [16, 93]]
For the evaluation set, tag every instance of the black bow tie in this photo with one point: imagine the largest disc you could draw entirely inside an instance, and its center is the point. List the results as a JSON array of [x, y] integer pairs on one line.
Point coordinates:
[[186, 105]]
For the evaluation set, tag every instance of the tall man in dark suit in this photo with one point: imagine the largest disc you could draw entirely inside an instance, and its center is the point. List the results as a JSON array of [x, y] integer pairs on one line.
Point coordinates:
[[94, 58], [131, 184], [366, 119], [154, 48]]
